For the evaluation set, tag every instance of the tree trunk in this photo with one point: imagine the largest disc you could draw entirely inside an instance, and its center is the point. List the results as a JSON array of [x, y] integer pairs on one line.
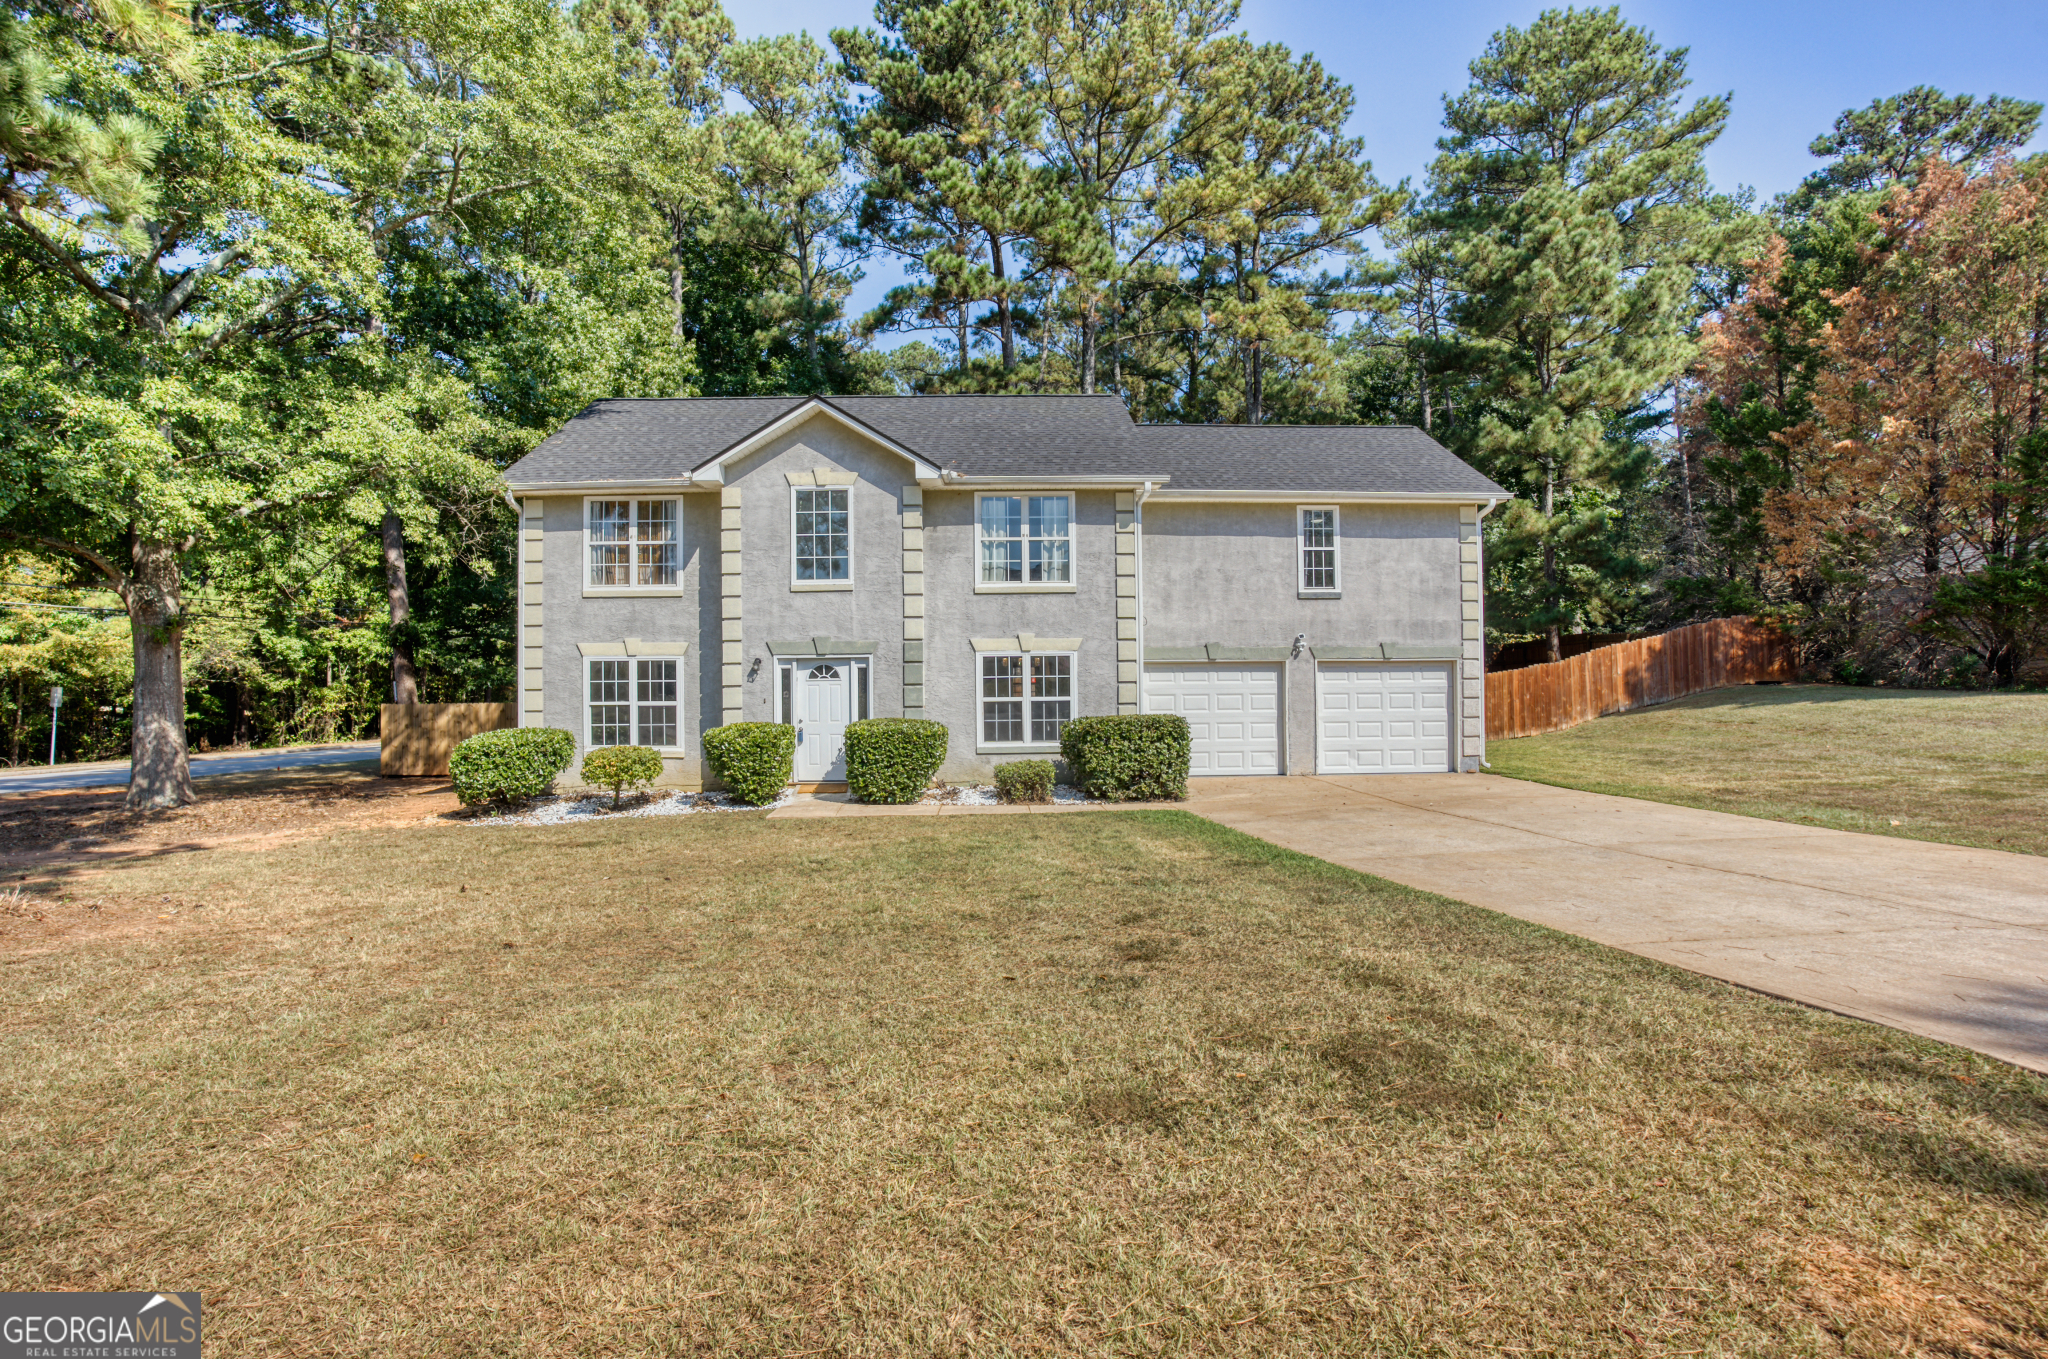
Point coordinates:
[[1422, 386], [404, 679], [161, 774], [1255, 386], [1555, 649], [1089, 328], [995, 253]]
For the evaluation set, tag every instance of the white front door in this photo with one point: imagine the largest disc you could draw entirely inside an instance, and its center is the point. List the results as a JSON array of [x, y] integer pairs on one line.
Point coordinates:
[[1233, 714], [824, 704], [1383, 719]]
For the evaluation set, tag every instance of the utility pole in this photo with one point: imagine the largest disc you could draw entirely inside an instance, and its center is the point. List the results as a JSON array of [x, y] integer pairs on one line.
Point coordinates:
[[56, 702]]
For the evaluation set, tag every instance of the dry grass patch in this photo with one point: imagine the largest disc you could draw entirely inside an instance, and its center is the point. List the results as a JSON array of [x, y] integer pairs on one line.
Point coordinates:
[[1103, 1083], [1959, 768]]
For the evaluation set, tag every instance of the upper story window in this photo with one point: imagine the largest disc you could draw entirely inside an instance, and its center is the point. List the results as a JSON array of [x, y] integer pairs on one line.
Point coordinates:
[[823, 543], [633, 543], [1027, 540], [1316, 531]]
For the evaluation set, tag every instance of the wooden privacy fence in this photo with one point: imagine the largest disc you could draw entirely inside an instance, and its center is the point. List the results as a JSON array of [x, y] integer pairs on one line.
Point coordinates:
[[1614, 679], [419, 736]]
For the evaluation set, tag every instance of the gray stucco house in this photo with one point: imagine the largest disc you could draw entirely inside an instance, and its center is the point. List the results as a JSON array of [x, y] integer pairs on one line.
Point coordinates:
[[1307, 596]]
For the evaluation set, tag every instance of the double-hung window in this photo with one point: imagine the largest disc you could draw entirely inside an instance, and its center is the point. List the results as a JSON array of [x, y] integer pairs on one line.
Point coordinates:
[[823, 545], [1026, 699], [1027, 540], [634, 701], [1316, 534], [633, 544]]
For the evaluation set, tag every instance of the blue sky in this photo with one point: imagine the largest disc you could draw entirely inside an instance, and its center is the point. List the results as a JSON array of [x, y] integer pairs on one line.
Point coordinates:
[[1791, 66]]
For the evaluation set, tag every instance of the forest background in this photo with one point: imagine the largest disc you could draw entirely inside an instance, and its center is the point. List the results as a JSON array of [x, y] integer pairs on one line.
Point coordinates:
[[283, 287]]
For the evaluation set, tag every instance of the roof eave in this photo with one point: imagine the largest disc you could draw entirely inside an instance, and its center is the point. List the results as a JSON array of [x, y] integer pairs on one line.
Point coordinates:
[[1093, 481], [588, 487], [1329, 496]]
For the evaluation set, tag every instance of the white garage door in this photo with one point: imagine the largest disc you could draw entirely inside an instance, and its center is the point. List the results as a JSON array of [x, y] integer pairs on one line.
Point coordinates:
[[1233, 714], [1383, 719]]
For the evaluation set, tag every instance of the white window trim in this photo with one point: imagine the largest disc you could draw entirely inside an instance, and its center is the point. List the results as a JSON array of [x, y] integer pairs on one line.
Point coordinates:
[[594, 591], [816, 586], [682, 708], [1301, 586], [1027, 587], [1025, 747]]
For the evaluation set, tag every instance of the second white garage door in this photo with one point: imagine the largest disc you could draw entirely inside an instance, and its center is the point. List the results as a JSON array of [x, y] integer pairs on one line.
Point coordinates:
[[1383, 719], [1233, 714]]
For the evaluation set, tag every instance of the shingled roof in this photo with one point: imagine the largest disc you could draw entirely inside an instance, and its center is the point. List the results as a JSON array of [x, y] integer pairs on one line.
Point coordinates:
[[621, 442]]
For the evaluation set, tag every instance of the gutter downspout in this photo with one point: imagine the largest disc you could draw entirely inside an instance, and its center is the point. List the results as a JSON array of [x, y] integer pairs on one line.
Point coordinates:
[[1138, 527], [518, 609], [1490, 506]]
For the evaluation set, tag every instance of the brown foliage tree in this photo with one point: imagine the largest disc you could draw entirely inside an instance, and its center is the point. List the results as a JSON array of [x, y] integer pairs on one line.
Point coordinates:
[[1910, 456]]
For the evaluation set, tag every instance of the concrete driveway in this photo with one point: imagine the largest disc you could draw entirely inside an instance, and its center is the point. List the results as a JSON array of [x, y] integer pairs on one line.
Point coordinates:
[[114, 773], [1938, 940]]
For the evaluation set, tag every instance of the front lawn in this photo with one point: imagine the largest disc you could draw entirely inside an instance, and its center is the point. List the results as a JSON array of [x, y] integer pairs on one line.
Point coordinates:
[[1090, 1084], [1965, 769]]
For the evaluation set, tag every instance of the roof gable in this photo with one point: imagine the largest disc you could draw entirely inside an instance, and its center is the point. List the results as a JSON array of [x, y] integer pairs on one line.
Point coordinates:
[[712, 469]]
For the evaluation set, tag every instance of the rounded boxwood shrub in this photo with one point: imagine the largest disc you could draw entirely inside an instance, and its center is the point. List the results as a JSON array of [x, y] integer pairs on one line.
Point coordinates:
[[1024, 781], [753, 759], [1129, 757], [509, 765], [892, 759], [621, 767]]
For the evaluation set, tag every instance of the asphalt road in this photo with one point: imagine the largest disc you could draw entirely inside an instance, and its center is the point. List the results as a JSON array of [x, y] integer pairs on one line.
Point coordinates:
[[114, 773]]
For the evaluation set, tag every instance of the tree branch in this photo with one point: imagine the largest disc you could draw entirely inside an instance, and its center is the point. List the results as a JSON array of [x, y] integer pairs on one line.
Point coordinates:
[[181, 291], [298, 58], [106, 568], [250, 319], [451, 204], [140, 317]]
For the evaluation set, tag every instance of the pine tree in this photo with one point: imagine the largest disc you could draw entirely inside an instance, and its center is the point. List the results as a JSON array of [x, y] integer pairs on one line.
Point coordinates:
[[1573, 188]]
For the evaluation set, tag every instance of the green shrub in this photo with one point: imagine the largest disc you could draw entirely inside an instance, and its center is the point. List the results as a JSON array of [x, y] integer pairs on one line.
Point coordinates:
[[1131, 757], [892, 759], [754, 759], [509, 765], [621, 767], [1024, 781]]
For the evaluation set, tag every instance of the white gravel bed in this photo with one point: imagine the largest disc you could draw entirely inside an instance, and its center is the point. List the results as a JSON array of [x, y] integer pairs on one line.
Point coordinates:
[[561, 811], [984, 795]]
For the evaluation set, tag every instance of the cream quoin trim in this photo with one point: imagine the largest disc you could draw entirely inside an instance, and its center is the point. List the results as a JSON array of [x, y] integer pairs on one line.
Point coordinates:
[[532, 655], [713, 471], [1217, 653], [823, 648], [913, 602], [1472, 664], [824, 476], [633, 646], [734, 648], [1026, 641], [1130, 566], [1129, 657]]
